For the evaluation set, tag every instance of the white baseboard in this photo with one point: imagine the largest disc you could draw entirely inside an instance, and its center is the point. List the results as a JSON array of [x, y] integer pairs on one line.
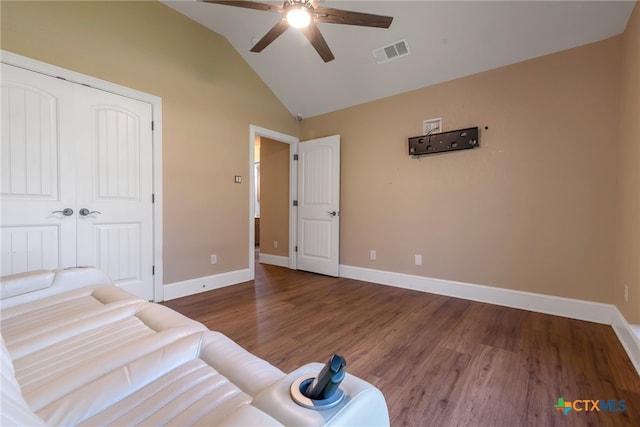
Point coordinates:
[[207, 283], [559, 306], [590, 311], [627, 336], [281, 261]]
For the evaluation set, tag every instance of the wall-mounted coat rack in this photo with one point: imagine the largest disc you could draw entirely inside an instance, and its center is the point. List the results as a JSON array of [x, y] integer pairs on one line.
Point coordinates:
[[461, 139]]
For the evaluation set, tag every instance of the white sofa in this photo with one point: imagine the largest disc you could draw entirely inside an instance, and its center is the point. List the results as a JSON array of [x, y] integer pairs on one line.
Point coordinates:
[[77, 350]]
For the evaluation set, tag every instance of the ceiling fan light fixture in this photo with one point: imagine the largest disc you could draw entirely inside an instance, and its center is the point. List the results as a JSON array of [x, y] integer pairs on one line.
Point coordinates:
[[304, 14], [298, 17]]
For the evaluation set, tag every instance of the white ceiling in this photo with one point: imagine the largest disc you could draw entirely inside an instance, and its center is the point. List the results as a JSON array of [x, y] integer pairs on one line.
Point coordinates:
[[447, 39]]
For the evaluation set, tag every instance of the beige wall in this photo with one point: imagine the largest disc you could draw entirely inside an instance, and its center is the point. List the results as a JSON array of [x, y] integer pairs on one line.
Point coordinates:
[[628, 254], [533, 209], [274, 197], [210, 97]]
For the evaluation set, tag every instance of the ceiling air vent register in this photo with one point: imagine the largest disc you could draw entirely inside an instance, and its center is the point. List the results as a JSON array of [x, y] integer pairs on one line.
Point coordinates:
[[393, 51]]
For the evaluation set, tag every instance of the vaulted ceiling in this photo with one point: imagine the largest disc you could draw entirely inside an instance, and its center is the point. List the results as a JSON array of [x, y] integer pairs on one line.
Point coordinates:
[[447, 40]]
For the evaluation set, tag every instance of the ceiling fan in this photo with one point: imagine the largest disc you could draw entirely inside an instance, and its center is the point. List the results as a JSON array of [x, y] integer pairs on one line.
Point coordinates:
[[304, 14]]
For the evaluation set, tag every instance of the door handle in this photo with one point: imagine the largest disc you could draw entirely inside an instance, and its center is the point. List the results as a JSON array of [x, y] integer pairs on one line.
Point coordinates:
[[65, 212], [85, 212], [332, 213]]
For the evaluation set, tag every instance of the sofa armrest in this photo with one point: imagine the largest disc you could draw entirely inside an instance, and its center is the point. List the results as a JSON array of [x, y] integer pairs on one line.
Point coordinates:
[[247, 371], [363, 404], [34, 285]]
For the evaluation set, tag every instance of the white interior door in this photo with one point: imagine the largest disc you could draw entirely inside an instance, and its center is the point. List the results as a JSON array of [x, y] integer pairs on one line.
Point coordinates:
[[67, 146], [114, 195], [38, 173], [319, 205]]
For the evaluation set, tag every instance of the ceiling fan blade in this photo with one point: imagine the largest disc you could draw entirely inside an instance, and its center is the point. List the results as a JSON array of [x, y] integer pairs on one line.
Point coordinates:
[[337, 16], [273, 34], [248, 5], [315, 37]]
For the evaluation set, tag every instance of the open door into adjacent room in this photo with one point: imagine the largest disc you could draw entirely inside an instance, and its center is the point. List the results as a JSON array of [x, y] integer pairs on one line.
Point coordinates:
[[318, 248], [314, 200]]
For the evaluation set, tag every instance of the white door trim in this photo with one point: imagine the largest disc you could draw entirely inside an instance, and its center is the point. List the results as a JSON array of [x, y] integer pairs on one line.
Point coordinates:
[[156, 103], [255, 131]]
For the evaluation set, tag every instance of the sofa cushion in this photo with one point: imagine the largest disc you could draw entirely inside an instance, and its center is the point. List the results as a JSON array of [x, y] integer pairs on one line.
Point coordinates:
[[31, 326], [188, 394], [178, 383], [102, 392], [14, 411], [76, 359]]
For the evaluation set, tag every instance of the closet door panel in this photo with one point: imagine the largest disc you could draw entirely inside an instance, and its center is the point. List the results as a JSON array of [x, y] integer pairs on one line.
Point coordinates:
[[36, 164], [117, 234]]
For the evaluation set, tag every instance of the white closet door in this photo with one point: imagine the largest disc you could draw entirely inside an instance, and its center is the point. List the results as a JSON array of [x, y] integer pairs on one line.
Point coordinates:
[[67, 146], [37, 173], [115, 145]]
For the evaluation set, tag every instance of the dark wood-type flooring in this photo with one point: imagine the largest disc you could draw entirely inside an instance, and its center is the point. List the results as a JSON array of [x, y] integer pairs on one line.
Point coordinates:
[[439, 361]]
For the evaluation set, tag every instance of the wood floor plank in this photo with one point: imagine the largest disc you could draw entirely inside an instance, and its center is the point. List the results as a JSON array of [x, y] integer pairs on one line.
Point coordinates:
[[481, 393], [439, 361]]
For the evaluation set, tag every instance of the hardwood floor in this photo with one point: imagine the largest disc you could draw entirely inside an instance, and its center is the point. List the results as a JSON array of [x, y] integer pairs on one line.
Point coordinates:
[[439, 361]]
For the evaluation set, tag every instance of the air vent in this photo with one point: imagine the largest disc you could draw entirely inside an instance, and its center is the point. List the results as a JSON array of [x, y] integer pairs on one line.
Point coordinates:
[[393, 51]]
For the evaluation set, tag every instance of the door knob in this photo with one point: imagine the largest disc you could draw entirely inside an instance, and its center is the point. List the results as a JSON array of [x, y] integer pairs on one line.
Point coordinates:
[[65, 212], [85, 212], [332, 213]]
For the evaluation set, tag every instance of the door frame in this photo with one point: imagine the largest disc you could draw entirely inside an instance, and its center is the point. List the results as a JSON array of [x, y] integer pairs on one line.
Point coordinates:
[[254, 132], [156, 105]]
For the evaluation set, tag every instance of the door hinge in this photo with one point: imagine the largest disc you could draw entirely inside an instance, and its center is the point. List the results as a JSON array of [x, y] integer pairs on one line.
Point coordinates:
[[295, 157], [295, 203], [296, 249], [153, 197], [153, 270], [152, 125]]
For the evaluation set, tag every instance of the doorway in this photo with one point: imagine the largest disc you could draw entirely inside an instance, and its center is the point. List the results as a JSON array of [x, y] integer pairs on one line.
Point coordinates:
[[272, 171], [276, 141], [317, 224]]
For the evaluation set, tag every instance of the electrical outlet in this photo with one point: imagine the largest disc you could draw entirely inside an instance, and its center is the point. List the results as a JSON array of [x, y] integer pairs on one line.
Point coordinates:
[[626, 293], [432, 126], [275, 244], [214, 259], [418, 259], [372, 255]]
